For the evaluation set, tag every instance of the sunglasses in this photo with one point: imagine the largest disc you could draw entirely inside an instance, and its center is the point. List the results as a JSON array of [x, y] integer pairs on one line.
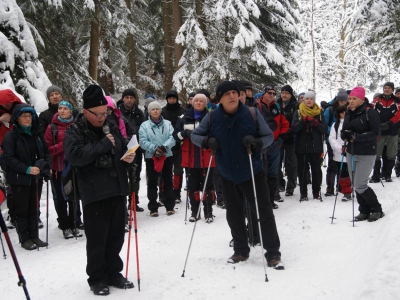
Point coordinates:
[[271, 93]]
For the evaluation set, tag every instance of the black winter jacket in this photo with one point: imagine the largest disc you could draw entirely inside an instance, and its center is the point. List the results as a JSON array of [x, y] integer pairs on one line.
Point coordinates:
[[22, 150], [309, 139], [365, 123], [172, 114], [289, 110], [83, 147]]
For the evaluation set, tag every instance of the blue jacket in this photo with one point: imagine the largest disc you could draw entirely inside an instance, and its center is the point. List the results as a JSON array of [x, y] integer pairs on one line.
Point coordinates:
[[232, 158], [152, 135], [330, 118]]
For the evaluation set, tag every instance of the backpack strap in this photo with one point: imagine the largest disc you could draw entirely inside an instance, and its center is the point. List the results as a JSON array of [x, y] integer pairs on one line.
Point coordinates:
[[254, 115], [54, 130]]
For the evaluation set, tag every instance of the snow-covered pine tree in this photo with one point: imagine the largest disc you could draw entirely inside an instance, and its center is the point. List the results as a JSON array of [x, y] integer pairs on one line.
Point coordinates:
[[20, 69]]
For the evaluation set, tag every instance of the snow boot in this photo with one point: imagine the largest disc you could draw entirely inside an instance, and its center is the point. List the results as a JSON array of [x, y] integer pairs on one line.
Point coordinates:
[[237, 257], [375, 216]]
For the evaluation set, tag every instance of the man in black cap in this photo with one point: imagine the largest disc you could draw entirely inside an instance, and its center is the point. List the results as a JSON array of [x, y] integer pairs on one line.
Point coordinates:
[[94, 147], [388, 107], [249, 93], [135, 116], [231, 132], [171, 112], [289, 105]]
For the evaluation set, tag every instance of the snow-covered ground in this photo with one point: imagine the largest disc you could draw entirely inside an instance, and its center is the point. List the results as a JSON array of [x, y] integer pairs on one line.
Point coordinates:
[[323, 260]]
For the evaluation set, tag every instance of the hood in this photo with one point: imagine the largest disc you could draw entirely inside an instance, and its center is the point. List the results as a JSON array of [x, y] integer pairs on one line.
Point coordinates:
[[23, 107], [7, 96]]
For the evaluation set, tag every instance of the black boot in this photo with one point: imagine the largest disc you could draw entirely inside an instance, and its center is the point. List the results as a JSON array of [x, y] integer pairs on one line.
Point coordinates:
[[376, 176], [371, 200], [22, 229], [388, 167]]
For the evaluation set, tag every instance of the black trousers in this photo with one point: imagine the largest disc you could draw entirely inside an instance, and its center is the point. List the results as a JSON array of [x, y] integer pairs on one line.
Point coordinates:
[[314, 159], [152, 184], [105, 232], [234, 195], [26, 203], [196, 179]]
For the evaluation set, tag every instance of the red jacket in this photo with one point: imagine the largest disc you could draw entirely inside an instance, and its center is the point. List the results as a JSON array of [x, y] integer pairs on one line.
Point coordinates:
[[56, 148], [6, 97], [282, 124], [389, 111]]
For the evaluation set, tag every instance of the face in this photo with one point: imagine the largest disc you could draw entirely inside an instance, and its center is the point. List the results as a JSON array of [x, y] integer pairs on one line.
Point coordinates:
[[155, 114], [249, 92], [301, 98], [172, 100], [354, 102], [199, 104], [64, 112], [269, 96], [55, 98], [191, 100], [342, 114], [397, 95], [25, 119], [309, 102], [387, 90], [129, 101], [96, 115], [230, 101], [242, 96], [285, 96]]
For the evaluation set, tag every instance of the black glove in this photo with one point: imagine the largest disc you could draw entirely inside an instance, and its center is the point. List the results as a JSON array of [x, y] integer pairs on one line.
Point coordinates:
[[210, 142], [274, 146], [255, 144], [348, 135], [188, 132], [160, 151], [384, 126], [41, 164]]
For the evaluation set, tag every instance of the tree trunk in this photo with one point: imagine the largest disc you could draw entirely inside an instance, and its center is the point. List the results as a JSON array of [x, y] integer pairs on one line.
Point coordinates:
[[131, 48], [314, 69], [168, 45], [178, 49], [94, 43], [200, 19], [342, 49]]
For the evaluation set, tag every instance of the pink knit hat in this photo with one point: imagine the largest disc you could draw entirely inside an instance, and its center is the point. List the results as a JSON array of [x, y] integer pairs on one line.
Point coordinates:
[[110, 101], [358, 92]]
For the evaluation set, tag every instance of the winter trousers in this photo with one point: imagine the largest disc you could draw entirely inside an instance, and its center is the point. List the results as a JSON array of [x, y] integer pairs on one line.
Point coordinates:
[[288, 153], [178, 173], [152, 184], [362, 168], [314, 159], [26, 201], [391, 151], [234, 195], [105, 232], [217, 187], [196, 183]]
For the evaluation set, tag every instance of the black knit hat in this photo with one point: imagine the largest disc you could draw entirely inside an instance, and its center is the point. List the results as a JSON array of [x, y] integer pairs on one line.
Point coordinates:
[[342, 95], [204, 92], [93, 96], [389, 84], [397, 90], [171, 93], [247, 84], [287, 88], [240, 85], [192, 94], [224, 87], [129, 92]]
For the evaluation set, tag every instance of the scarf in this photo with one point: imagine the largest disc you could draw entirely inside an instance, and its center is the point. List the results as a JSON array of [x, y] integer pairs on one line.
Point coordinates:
[[309, 111], [65, 120]]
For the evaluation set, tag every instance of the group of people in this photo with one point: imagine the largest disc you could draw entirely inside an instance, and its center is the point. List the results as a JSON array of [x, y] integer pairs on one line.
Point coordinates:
[[231, 146]]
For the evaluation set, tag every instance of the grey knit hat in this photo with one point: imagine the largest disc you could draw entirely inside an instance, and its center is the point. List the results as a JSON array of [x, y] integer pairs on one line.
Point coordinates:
[[309, 94], [153, 105], [53, 88], [342, 95]]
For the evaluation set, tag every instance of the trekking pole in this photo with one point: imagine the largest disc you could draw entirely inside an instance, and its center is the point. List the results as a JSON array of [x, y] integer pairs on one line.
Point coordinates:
[[37, 206], [337, 190], [47, 213], [21, 282], [324, 159], [187, 194], [258, 214], [352, 175], [247, 211], [198, 213], [2, 246]]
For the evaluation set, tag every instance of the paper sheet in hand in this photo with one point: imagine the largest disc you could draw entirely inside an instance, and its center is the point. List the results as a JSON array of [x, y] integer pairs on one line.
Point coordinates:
[[132, 146]]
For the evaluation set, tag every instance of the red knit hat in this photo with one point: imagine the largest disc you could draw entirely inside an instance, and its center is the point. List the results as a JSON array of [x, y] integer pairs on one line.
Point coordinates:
[[358, 92]]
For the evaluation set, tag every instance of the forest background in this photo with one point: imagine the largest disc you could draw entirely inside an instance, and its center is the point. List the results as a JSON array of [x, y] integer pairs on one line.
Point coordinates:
[[153, 46]]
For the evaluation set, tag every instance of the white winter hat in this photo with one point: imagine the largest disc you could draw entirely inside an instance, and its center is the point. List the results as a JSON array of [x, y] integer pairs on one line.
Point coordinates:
[[154, 105]]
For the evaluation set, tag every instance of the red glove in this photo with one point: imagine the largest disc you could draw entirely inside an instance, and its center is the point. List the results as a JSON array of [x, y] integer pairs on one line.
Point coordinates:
[[305, 119], [159, 163], [313, 122]]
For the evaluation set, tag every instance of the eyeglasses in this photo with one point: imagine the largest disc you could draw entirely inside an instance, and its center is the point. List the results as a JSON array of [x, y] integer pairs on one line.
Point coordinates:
[[271, 93], [98, 115], [28, 116]]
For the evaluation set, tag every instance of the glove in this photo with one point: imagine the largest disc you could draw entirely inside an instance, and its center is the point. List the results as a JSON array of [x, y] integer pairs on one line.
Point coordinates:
[[275, 146], [210, 142], [313, 122], [159, 163], [255, 144], [307, 119], [384, 126], [41, 164], [344, 149], [188, 132], [160, 151], [349, 135]]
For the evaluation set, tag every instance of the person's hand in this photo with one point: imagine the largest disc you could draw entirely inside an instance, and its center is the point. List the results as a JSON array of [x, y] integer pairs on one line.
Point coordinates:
[[255, 144], [129, 158], [5, 118], [385, 126], [274, 146], [160, 151], [111, 138], [349, 135], [34, 171], [210, 142], [313, 122], [188, 132], [344, 149]]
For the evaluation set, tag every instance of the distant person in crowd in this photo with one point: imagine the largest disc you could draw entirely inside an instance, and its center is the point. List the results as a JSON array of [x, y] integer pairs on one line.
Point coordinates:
[[95, 146], [196, 159], [149, 98], [250, 102], [27, 162], [231, 132], [189, 103], [155, 138], [67, 210], [171, 112], [339, 158], [388, 107], [361, 128], [135, 116], [8, 100], [289, 105], [300, 97], [329, 115], [309, 128]]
